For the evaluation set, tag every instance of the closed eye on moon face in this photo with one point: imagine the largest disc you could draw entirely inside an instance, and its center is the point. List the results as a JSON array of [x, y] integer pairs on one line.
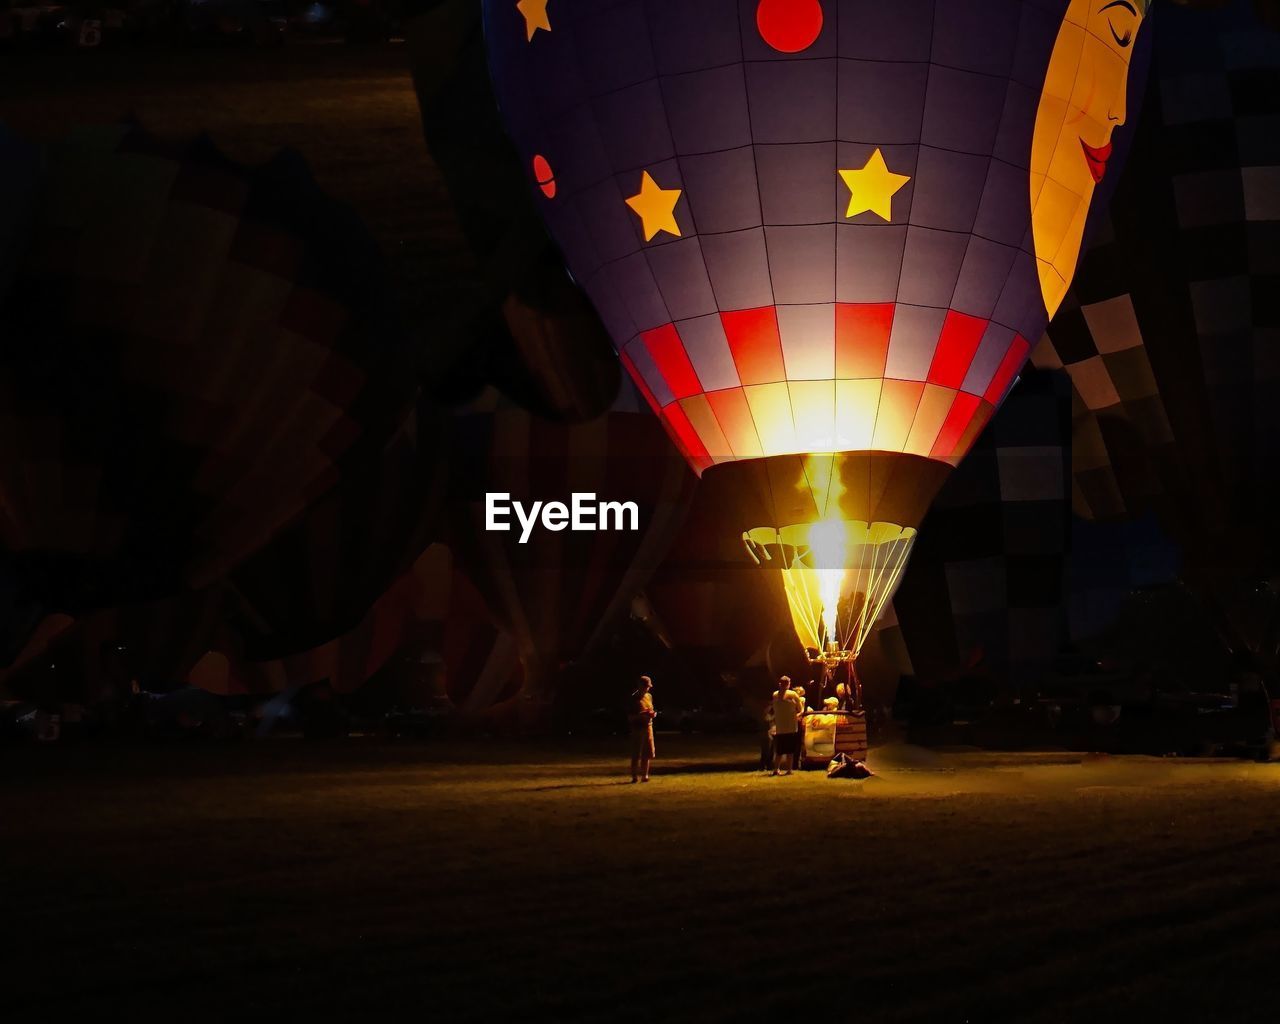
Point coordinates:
[[1127, 38]]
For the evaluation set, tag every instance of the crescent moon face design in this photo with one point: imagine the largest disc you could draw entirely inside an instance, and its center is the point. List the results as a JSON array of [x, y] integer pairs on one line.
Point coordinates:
[[1082, 103]]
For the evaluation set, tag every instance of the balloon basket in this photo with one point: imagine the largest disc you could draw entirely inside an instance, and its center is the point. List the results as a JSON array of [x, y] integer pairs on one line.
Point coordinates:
[[833, 729], [828, 733]]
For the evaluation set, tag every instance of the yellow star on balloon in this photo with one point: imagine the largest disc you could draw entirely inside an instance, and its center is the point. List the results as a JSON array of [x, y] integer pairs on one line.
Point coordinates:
[[535, 15], [656, 207], [873, 187]]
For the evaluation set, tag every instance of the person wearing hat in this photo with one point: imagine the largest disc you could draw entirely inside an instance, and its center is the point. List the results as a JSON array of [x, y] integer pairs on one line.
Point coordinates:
[[640, 719]]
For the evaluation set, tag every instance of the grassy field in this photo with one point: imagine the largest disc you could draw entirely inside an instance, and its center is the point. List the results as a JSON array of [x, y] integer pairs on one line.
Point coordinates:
[[350, 111], [360, 878]]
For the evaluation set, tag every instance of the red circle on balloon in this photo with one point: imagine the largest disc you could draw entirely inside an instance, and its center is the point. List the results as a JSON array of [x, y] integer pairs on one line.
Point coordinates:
[[789, 26]]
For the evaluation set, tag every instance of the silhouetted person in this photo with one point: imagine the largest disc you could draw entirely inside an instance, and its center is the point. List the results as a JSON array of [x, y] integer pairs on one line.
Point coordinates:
[[640, 718]]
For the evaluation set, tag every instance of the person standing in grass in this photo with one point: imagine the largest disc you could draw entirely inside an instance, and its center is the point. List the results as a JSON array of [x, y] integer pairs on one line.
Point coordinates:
[[786, 724], [640, 718]]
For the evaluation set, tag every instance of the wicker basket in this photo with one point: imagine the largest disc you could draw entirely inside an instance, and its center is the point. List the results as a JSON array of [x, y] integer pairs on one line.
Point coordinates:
[[827, 733]]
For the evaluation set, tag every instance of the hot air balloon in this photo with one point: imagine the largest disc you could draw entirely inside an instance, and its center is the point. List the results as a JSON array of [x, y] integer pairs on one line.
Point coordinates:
[[1170, 338], [554, 591], [193, 351], [823, 235], [1005, 578]]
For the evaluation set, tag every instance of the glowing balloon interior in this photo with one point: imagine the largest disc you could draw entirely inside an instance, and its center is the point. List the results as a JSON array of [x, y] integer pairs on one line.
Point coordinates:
[[838, 576]]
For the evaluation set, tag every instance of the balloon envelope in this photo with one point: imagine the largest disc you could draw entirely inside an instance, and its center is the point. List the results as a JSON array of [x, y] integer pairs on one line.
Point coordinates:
[[821, 227]]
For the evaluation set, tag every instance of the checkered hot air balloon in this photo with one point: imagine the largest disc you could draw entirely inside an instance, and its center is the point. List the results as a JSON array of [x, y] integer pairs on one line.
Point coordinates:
[[823, 235], [1172, 335]]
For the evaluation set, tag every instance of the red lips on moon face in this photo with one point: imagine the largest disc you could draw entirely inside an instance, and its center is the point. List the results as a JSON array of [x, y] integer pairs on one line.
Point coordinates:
[[789, 26], [1096, 159]]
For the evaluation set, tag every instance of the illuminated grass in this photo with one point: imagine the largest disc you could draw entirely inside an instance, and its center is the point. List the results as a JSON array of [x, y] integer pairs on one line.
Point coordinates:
[[366, 877]]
